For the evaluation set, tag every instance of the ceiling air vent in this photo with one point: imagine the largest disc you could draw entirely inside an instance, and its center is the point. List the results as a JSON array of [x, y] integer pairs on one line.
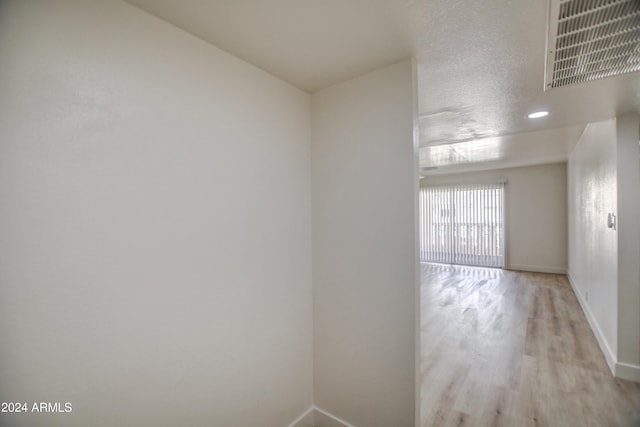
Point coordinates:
[[591, 39]]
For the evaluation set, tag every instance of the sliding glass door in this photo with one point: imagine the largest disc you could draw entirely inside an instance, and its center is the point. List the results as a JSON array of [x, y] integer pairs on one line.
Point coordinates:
[[462, 224]]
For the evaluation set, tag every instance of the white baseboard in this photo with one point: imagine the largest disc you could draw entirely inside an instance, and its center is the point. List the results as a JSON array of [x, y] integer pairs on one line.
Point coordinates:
[[609, 355], [627, 371], [537, 268], [316, 417]]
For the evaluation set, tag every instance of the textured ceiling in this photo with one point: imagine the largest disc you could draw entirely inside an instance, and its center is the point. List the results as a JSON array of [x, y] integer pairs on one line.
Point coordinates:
[[482, 77], [480, 65]]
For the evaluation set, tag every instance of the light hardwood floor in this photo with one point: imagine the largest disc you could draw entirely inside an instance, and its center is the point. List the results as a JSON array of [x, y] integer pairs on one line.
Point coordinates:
[[504, 348]]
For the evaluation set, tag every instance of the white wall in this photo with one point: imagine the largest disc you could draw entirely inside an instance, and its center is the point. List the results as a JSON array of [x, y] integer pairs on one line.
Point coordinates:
[[155, 225], [593, 251], [364, 257], [628, 174], [535, 213], [604, 176]]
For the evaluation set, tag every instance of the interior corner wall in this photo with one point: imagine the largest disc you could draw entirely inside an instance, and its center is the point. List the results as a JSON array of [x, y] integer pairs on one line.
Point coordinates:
[[593, 246], [155, 225], [535, 213], [628, 181], [364, 257]]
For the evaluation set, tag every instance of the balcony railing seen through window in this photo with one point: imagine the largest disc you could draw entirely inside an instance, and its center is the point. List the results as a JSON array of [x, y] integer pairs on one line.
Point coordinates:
[[462, 224]]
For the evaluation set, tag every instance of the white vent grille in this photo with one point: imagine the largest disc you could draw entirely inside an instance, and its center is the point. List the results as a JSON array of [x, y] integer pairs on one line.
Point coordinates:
[[592, 39]]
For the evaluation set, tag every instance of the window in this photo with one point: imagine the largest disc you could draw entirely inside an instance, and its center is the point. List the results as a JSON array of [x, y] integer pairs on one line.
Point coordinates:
[[462, 224]]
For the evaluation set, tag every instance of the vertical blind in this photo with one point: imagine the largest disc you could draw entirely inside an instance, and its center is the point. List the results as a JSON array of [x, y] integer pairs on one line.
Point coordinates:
[[462, 224]]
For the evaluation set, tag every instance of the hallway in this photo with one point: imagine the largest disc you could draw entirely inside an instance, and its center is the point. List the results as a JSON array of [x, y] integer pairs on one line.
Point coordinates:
[[513, 349]]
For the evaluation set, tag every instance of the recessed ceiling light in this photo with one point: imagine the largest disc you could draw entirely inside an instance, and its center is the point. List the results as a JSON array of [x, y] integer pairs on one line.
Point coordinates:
[[538, 114]]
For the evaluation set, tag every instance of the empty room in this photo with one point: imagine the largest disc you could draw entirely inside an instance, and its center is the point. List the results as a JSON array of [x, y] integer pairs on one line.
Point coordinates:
[[360, 213]]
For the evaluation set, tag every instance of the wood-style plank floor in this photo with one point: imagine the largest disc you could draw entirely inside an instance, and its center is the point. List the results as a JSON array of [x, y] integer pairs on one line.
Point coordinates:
[[504, 348]]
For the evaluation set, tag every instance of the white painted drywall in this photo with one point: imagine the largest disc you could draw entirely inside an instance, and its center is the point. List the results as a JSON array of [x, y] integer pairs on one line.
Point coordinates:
[[604, 176], [364, 257], [535, 213], [155, 225], [628, 175], [593, 247]]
